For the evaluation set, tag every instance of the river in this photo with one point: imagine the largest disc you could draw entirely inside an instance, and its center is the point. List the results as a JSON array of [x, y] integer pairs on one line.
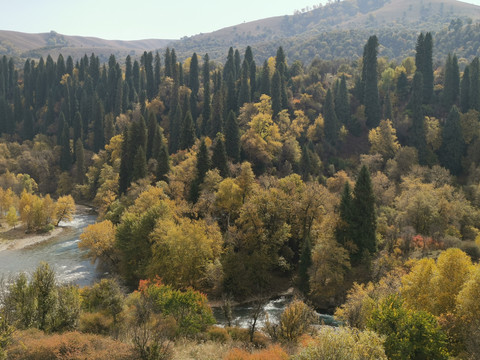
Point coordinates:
[[62, 253], [71, 266], [242, 314]]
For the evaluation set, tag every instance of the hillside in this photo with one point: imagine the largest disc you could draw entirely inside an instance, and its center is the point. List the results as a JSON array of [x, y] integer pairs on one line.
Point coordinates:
[[336, 30], [23, 45]]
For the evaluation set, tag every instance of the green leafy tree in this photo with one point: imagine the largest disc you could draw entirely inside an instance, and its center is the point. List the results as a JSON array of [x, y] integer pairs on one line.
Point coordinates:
[[44, 286], [409, 334], [189, 308]]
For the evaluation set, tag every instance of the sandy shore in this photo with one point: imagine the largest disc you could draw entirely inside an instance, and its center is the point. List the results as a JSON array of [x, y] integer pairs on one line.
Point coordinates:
[[16, 239]]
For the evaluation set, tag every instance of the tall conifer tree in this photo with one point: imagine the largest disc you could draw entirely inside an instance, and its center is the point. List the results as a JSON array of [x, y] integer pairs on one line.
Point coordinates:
[[371, 100], [206, 113], [232, 137], [418, 126], [452, 81], [465, 90], [453, 146], [363, 214], [219, 156], [331, 121]]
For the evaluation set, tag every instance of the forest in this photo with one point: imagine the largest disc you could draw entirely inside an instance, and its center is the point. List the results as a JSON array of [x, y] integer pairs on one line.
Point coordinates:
[[354, 182]]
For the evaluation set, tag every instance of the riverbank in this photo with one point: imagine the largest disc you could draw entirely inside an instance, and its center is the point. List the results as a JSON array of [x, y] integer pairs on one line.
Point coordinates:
[[17, 239]]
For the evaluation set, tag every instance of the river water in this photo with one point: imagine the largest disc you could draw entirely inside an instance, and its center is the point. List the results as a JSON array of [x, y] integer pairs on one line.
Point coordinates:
[[62, 253], [71, 266], [242, 314]]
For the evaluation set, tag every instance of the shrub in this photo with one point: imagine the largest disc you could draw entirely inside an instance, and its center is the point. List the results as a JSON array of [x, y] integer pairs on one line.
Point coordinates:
[[296, 319], [218, 334], [274, 352], [238, 334], [342, 344], [189, 308], [95, 323], [35, 345]]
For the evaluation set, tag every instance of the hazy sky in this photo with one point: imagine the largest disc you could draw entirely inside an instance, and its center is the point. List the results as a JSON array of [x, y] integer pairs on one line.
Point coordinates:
[[144, 19]]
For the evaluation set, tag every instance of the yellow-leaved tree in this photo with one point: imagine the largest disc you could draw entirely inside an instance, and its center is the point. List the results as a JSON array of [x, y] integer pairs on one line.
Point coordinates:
[[182, 250], [64, 209], [434, 287], [99, 240], [384, 140]]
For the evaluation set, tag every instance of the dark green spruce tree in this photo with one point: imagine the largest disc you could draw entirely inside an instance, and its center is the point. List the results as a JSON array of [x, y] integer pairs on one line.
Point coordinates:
[[452, 82], [126, 164], [219, 156], [244, 93], [418, 123], [98, 128], [304, 265], [474, 93], [206, 112], [160, 153], [151, 129], [344, 231], [276, 93], [203, 165], [188, 131], [79, 162], [216, 123], [330, 118], [453, 145], [305, 163], [342, 103], [424, 64], [194, 84], [232, 137], [139, 164], [175, 117], [363, 214], [65, 151], [265, 87], [465, 90], [371, 100]]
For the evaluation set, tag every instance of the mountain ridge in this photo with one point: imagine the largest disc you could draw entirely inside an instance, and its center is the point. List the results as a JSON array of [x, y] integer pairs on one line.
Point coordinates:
[[303, 34]]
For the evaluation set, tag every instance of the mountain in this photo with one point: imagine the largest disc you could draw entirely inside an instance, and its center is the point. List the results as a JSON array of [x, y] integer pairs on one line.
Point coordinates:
[[336, 30], [23, 45]]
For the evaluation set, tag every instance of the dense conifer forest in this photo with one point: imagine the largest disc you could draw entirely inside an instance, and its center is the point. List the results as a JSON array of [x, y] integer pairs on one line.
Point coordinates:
[[354, 182]]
